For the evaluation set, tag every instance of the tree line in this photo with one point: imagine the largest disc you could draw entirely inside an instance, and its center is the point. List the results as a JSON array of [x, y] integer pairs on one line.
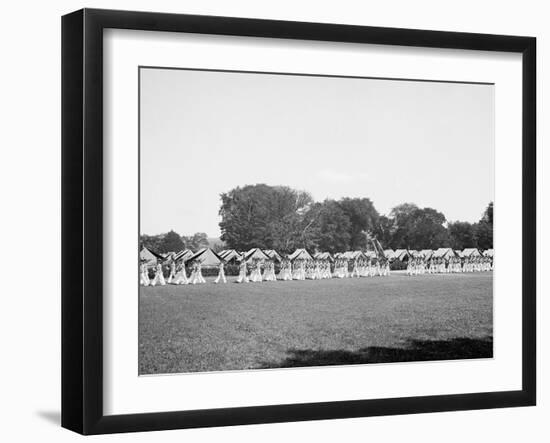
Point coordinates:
[[282, 218], [173, 242]]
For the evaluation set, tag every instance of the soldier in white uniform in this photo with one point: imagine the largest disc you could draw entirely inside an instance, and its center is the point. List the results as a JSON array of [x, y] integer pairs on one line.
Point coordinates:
[[181, 275], [143, 275], [221, 274], [243, 278], [159, 277]]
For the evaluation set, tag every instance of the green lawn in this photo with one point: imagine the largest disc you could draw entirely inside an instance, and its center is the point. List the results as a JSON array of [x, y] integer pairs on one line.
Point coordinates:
[[303, 323]]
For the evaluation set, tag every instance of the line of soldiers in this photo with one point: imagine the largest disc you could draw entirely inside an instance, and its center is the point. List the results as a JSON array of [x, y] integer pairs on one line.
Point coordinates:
[[304, 270], [256, 275], [311, 269], [177, 276], [440, 265], [255, 268], [361, 268]]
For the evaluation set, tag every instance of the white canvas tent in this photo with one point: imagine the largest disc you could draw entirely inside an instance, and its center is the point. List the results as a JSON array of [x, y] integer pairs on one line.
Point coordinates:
[[256, 254], [149, 256], [427, 253], [471, 252], [300, 254], [273, 255], [323, 256], [183, 255], [355, 255], [229, 255], [402, 254], [445, 253], [389, 253], [207, 257], [489, 253]]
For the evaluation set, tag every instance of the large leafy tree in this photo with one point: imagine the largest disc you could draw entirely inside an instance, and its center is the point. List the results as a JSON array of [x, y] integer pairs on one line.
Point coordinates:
[[263, 216], [363, 217], [429, 231], [172, 242], [484, 229], [462, 235], [418, 228], [402, 217], [333, 227], [383, 231]]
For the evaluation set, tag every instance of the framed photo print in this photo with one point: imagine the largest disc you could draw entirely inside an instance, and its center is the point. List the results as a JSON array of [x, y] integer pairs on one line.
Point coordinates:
[[269, 221]]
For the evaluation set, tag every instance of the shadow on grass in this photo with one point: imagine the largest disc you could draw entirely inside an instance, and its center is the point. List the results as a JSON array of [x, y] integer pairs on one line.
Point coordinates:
[[413, 350]]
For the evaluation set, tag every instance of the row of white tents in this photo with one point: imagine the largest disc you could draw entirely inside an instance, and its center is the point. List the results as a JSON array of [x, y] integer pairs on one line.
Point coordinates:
[[207, 256], [445, 253]]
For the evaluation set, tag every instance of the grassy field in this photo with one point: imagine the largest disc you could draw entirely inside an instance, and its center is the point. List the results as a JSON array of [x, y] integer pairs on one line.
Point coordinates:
[[311, 323]]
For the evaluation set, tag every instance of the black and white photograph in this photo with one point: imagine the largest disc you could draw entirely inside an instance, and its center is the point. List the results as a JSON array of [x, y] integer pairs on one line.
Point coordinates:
[[294, 218], [301, 220]]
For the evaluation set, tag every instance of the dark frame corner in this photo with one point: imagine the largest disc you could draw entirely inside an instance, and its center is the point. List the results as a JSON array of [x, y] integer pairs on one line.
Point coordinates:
[[82, 151]]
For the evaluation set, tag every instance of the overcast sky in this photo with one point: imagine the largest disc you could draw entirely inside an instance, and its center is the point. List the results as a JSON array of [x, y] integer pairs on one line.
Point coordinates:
[[204, 133]]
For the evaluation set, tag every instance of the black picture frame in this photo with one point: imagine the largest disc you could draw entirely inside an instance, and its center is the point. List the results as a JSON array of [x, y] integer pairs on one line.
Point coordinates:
[[82, 220]]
